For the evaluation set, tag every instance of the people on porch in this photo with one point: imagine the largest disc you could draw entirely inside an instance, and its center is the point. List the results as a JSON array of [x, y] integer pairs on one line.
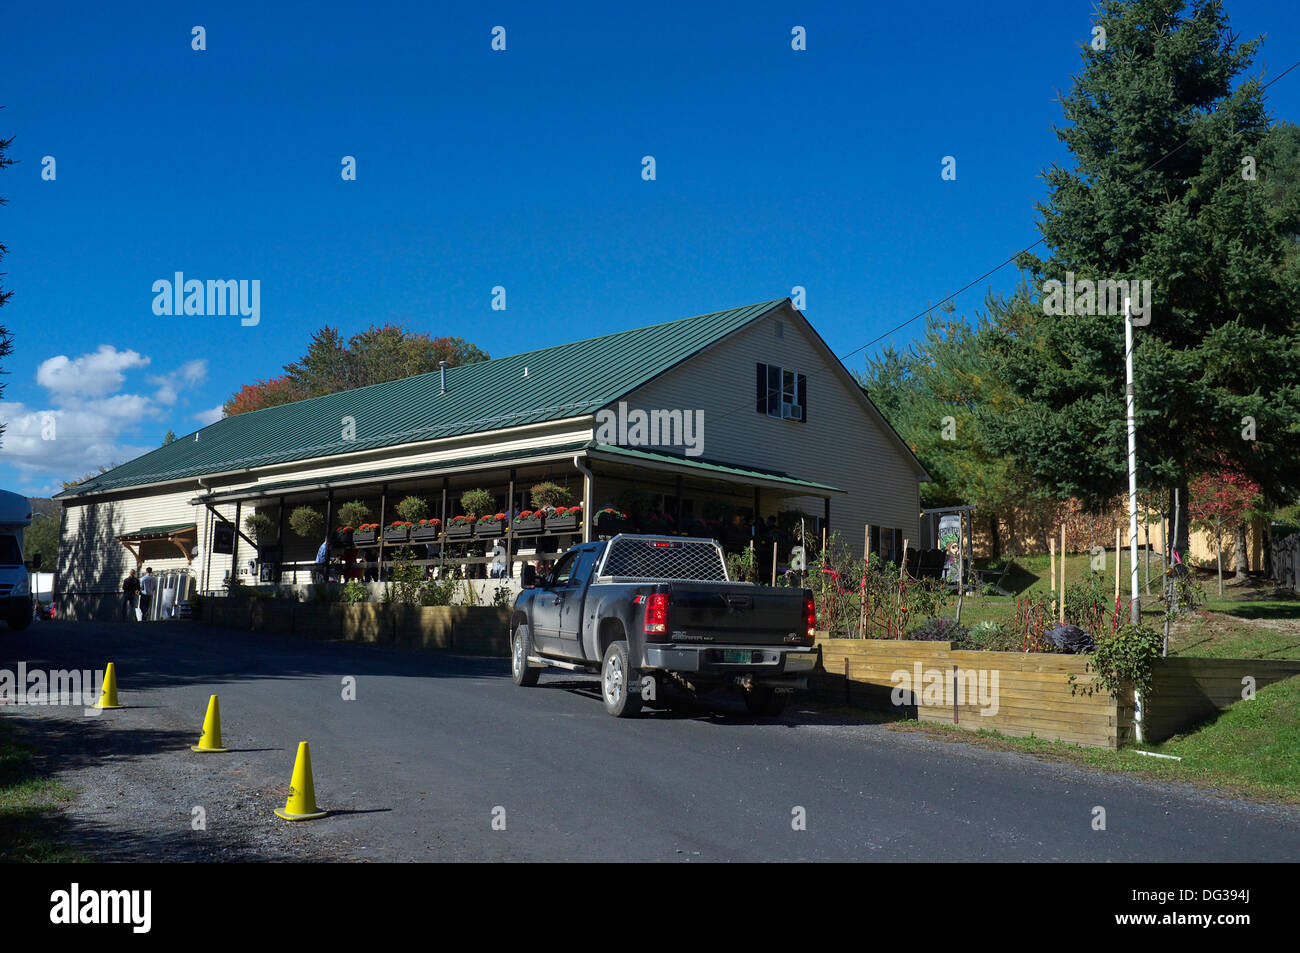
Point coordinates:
[[148, 586], [130, 589]]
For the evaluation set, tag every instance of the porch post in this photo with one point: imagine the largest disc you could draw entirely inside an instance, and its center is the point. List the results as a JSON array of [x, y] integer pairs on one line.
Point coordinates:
[[510, 519], [753, 531], [442, 538], [383, 508], [329, 533], [588, 498], [279, 540], [826, 519], [234, 552]]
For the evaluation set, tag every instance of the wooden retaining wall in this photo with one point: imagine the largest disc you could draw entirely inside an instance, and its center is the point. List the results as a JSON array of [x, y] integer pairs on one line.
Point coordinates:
[[1186, 690], [1034, 694], [470, 630], [1016, 693]]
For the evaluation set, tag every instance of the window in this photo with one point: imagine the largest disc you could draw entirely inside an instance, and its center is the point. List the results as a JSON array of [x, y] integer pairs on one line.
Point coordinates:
[[781, 392]]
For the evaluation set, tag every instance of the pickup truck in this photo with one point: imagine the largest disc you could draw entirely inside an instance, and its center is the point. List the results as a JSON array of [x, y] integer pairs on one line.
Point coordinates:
[[655, 613]]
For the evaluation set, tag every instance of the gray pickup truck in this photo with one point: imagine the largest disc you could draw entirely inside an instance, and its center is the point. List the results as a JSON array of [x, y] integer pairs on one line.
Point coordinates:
[[656, 613]]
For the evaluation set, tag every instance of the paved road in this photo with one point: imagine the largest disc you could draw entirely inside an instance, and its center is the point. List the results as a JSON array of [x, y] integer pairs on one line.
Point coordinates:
[[416, 765]]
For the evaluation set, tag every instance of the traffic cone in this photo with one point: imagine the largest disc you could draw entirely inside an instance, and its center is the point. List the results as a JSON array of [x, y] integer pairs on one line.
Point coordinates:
[[210, 740], [108, 696], [301, 805]]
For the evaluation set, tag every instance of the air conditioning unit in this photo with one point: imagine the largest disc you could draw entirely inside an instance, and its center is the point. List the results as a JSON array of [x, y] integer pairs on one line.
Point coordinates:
[[791, 412]]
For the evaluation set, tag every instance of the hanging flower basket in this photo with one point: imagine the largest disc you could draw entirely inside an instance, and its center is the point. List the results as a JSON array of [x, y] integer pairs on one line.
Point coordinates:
[[564, 519], [528, 523], [494, 525], [426, 531], [397, 532], [461, 527], [343, 537], [366, 534]]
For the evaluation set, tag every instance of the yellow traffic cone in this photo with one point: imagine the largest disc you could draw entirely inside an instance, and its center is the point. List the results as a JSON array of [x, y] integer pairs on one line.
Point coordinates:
[[301, 805], [210, 740], [108, 696]]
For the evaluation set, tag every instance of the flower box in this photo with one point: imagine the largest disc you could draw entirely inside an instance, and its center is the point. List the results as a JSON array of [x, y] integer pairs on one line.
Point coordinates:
[[343, 537], [426, 531], [460, 528], [397, 533], [564, 520], [366, 534], [610, 522], [528, 523], [491, 525]]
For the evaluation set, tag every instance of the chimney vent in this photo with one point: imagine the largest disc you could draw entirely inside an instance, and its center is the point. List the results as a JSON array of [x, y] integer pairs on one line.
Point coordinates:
[[442, 365]]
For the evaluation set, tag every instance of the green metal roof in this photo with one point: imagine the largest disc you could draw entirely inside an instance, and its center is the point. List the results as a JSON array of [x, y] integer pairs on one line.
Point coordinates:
[[694, 463], [568, 380], [166, 530]]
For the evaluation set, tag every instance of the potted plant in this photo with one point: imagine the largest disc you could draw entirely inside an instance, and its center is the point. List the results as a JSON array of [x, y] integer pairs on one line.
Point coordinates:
[[307, 522], [261, 526], [366, 534], [426, 530], [494, 525], [398, 531], [351, 516], [412, 509], [528, 522], [564, 519], [549, 496], [461, 526], [660, 523]]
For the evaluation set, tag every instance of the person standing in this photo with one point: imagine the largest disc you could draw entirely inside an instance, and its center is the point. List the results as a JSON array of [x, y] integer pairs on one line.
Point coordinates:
[[130, 589], [148, 586], [322, 561]]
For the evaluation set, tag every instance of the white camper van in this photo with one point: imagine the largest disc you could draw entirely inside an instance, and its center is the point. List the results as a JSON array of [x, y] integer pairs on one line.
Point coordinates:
[[15, 593]]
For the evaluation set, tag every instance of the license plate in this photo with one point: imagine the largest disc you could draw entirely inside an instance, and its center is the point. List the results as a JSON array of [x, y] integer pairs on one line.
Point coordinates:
[[737, 655]]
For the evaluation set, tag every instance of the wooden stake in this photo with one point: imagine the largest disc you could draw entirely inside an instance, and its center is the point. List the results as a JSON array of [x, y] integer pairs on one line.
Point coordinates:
[[902, 567], [1062, 592], [1051, 547], [774, 548], [862, 589]]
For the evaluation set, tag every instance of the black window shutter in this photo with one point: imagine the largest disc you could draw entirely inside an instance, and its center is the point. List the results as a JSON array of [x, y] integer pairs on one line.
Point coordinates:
[[801, 395], [762, 388]]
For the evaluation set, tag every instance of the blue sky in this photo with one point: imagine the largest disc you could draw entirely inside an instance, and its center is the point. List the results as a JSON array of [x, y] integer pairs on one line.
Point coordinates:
[[475, 168]]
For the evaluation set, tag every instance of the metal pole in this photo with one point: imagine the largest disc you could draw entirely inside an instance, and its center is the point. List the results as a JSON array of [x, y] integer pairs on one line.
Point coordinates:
[[1136, 608]]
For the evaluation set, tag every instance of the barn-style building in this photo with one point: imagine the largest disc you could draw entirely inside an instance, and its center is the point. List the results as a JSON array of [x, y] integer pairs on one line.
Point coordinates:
[[742, 413]]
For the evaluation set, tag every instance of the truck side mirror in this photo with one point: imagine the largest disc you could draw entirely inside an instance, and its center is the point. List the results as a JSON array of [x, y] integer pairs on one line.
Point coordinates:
[[529, 577]]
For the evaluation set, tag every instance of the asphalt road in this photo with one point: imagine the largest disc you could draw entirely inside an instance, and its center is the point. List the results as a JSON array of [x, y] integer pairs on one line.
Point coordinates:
[[434, 746]]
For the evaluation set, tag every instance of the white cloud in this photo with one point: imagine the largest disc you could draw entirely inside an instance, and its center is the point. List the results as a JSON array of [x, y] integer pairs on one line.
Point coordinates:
[[91, 375], [209, 416], [90, 421], [189, 374]]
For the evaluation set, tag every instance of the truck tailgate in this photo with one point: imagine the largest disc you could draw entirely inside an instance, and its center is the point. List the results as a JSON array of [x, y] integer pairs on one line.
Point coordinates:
[[735, 614]]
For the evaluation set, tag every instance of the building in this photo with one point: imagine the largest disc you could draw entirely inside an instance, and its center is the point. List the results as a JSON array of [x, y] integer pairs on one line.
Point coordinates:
[[744, 410]]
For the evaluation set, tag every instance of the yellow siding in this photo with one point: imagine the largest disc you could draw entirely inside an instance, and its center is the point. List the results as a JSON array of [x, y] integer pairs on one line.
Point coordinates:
[[841, 444]]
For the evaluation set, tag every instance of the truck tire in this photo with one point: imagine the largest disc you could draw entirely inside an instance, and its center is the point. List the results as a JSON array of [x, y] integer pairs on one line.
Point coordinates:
[[521, 673], [19, 621], [621, 696], [762, 700]]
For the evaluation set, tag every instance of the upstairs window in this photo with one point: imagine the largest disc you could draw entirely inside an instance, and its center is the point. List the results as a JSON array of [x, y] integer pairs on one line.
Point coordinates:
[[781, 392]]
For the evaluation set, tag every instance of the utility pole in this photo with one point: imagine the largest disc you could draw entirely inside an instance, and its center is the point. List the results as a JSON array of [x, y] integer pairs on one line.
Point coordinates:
[[1136, 609]]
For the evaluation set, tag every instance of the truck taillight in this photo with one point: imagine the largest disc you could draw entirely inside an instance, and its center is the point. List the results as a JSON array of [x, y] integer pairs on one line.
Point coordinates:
[[809, 617], [656, 613]]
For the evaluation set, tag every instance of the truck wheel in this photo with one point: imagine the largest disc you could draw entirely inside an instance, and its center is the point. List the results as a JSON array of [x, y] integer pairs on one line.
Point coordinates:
[[521, 673], [762, 700], [19, 621], [622, 698]]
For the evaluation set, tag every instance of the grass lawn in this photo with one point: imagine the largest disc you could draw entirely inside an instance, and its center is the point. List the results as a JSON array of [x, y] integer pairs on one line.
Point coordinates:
[[29, 806], [1250, 750]]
